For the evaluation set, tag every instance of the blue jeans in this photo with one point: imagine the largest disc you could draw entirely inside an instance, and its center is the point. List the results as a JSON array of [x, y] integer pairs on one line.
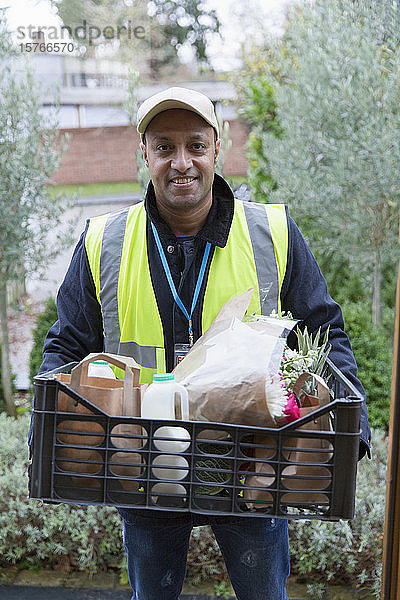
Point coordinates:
[[255, 550]]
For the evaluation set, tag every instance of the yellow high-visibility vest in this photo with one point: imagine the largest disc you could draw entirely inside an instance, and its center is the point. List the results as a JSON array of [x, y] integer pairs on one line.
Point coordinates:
[[255, 256]]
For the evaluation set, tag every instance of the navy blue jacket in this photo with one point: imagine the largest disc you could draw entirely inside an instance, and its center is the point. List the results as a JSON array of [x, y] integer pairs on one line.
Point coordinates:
[[304, 293]]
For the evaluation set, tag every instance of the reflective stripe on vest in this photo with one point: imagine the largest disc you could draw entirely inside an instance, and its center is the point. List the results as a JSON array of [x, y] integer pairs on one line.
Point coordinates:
[[110, 262], [255, 256], [263, 249], [249, 259]]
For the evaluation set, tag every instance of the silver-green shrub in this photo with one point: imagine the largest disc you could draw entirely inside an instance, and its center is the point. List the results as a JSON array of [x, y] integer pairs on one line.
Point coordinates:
[[334, 156], [89, 538], [43, 534], [205, 562], [348, 551]]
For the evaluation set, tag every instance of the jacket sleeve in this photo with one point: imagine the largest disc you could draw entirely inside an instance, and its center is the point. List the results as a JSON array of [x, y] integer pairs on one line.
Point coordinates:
[[79, 329], [305, 294]]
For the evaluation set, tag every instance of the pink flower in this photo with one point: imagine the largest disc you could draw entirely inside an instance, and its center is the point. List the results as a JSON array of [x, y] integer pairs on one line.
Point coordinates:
[[291, 409]]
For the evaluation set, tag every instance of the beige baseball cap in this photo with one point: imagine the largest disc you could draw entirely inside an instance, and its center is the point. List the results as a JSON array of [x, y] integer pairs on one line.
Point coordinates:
[[176, 97]]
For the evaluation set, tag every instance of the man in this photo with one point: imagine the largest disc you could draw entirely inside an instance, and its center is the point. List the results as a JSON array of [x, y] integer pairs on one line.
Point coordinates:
[[149, 280]]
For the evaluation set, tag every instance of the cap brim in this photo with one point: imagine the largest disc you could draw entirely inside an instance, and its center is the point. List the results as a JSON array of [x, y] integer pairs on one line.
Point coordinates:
[[168, 105]]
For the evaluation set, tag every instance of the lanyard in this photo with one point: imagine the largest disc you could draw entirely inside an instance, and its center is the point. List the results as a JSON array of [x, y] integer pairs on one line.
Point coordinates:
[[172, 284]]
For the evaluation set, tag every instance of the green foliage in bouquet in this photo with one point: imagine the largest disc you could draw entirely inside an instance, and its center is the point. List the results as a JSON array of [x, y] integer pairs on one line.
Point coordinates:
[[312, 347], [310, 357]]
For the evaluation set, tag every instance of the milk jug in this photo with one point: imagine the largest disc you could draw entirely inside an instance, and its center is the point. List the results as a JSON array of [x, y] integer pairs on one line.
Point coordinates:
[[159, 403], [100, 368]]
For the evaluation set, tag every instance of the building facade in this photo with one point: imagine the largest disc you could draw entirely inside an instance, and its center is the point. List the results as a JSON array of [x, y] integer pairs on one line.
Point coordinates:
[[103, 143]]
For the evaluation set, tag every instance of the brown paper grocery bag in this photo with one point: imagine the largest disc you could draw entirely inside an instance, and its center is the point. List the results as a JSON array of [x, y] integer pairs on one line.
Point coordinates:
[[264, 473], [309, 450], [114, 397], [305, 450]]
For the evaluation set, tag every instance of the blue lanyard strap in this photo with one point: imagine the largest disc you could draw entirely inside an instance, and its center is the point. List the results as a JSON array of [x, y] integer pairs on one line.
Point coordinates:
[[172, 284]]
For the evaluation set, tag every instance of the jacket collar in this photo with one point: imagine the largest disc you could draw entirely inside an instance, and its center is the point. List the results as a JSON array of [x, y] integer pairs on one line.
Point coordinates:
[[217, 226]]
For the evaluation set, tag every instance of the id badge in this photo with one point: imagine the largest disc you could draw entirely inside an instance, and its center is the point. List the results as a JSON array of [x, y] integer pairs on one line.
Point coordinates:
[[180, 351]]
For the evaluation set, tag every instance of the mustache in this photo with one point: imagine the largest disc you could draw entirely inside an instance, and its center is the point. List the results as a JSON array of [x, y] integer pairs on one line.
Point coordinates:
[[182, 174]]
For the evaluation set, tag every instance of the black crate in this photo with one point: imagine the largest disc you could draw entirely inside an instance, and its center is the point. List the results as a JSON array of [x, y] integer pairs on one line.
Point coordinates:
[[214, 481]]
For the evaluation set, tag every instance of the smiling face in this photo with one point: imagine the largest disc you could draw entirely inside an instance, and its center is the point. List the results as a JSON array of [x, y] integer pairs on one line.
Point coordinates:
[[181, 155]]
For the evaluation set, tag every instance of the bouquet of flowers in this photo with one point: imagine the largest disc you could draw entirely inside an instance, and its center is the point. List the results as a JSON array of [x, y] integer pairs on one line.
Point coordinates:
[[242, 372], [283, 404], [310, 357]]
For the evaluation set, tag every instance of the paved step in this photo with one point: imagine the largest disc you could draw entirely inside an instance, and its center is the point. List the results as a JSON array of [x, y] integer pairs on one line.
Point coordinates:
[[19, 592]]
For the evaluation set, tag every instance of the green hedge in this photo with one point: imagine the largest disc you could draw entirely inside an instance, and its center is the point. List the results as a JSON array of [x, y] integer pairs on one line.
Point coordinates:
[[2, 404], [3, 407], [89, 538], [372, 348], [43, 323]]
